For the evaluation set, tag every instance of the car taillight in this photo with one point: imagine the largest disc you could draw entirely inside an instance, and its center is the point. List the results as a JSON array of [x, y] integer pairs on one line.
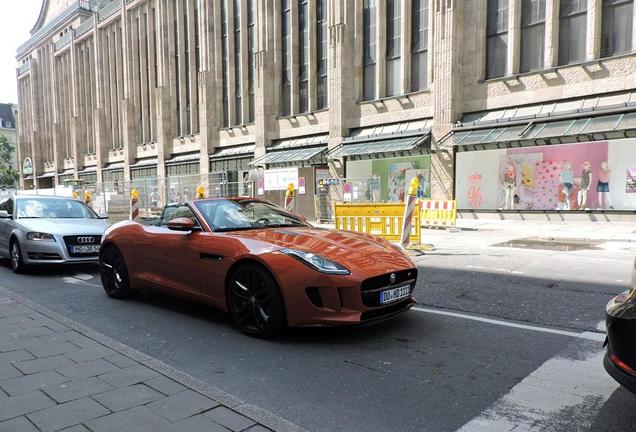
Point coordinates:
[[622, 365]]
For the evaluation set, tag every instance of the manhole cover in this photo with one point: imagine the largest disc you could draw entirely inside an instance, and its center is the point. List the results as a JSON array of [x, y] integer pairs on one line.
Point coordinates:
[[552, 244]]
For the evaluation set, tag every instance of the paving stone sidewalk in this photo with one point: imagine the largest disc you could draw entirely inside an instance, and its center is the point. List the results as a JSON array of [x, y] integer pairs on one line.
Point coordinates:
[[58, 375]]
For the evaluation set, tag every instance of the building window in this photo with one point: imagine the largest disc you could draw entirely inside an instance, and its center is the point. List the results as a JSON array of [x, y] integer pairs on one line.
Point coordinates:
[[250, 60], [393, 42], [419, 45], [188, 53], [321, 53], [532, 34], [303, 56], [224, 63], [618, 17], [369, 54], [197, 66], [238, 69], [497, 38], [572, 31], [286, 50]]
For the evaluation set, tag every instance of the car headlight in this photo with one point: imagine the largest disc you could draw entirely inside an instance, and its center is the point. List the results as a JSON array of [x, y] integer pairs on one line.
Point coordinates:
[[317, 262], [38, 236]]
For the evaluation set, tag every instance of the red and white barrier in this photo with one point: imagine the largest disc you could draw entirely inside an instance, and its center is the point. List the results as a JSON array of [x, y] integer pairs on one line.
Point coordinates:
[[407, 221], [134, 205]]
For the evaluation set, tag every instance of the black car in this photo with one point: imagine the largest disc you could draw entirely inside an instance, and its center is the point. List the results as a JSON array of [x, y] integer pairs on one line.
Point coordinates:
[[620, 318]]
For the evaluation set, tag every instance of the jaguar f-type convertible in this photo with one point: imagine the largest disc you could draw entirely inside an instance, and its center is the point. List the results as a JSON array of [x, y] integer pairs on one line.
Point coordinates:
[[268, 268]]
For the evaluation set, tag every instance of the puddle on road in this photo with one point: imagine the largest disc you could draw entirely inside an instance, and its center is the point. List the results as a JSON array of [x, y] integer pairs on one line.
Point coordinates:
[[552, 244]]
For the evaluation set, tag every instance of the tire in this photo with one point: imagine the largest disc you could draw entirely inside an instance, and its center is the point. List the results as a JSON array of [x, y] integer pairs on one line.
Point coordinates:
[[255, 301], [114, 274], [15, 253]]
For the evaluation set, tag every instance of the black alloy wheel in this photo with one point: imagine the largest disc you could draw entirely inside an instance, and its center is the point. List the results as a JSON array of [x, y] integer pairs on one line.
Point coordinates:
[[113, 272], [17, 263], [255, 301]]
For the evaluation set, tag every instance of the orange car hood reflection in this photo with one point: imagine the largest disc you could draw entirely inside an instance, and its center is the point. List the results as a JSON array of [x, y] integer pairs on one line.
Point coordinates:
[[347, 248]]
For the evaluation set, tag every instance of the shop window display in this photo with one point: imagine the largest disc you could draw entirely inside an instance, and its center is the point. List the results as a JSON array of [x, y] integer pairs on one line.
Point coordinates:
[[552, 177]]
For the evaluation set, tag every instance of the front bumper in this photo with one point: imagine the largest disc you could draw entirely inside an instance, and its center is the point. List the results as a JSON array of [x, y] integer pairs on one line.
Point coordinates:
[[57, 252], [316, 299]]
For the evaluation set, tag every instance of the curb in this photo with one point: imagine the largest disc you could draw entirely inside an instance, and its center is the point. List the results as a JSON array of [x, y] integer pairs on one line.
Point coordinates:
[[259, 415]]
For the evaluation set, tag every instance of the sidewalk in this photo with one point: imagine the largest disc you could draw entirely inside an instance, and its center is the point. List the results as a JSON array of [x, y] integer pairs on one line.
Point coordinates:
[[56, 374]]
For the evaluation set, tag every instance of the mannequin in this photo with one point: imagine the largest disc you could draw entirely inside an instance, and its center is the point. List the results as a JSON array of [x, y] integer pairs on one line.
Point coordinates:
[[567, 177], [510, 186], [602, 187], [584, 187]]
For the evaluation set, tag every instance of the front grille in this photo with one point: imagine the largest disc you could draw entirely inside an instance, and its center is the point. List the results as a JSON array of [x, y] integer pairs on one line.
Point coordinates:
[[74, 241], [371, 288], [386, 312]]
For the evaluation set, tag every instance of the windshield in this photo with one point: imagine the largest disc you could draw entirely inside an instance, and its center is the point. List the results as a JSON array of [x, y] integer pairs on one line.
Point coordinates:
[[226, 215], [53, 208]]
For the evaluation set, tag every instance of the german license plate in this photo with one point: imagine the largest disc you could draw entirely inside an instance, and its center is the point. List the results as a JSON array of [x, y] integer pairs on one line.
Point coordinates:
[[395, 294], [85, 249]]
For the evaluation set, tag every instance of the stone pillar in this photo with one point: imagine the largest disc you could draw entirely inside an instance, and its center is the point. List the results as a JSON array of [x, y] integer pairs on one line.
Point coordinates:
[[295, 69], [313, 64], [551, 55], [128, 121], [340, 65], [514, 37], [266, 86], [594, 22], [447, 96], [77, 124]]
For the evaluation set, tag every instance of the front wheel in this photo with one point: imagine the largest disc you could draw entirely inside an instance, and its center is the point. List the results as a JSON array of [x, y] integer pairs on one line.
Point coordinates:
[[255, 302], [114, 274], [17, 263]]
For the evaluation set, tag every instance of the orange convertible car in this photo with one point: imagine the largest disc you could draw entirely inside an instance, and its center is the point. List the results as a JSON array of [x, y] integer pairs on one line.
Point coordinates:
[[266, 267]]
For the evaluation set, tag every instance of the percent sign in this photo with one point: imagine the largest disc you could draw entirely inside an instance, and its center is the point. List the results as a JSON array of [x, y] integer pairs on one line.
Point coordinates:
[[474, 196]]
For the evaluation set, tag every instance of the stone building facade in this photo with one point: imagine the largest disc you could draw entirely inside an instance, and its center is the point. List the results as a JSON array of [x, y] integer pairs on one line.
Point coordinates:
[[8, 129], [124, 90]]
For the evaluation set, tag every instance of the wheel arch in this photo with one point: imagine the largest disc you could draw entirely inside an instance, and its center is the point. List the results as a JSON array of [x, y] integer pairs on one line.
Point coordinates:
[[250, 260]]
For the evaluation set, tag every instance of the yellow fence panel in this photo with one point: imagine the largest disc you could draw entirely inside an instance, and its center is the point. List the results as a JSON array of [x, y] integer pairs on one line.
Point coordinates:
[[439, 213], [382, 220]]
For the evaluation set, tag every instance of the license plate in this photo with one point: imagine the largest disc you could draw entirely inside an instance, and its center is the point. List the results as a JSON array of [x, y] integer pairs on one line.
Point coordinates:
[[395, 294], [85, 249]]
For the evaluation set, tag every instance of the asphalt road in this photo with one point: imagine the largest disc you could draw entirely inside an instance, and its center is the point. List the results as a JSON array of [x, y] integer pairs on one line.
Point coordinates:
[[422, 371]]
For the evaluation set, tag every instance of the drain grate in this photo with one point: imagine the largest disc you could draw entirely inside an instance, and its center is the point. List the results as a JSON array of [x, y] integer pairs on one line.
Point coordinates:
[[552, 244]]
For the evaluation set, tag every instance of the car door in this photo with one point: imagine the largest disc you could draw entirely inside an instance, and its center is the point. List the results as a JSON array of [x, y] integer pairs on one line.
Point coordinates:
[[171, 258], [6, 225]]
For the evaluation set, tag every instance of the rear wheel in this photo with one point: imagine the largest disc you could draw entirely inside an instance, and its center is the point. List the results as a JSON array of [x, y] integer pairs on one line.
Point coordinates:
[[255, 301], [17, 263], [114, 273]]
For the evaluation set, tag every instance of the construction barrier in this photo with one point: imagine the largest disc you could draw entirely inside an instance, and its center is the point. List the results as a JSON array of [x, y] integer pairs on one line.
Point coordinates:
[[409, 210], [290, 198], [439, 213], [134, 205], [382, 220], [200, 192]]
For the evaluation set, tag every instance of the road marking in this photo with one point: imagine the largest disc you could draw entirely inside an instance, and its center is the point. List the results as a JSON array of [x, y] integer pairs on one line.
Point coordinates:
[[493, 269], [564, 393], [76, 281], [601, 325], [583, 335], [83, 276]]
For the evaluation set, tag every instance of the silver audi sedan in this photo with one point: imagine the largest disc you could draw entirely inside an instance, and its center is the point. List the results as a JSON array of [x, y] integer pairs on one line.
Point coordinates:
[[48, 230]]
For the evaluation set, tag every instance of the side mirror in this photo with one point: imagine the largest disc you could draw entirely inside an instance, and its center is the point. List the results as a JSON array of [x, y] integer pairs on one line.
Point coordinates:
[[4, 214], [181, 224], [103, 216]]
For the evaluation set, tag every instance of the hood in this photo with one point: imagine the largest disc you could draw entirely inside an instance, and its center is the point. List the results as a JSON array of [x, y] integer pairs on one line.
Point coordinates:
[[347, 248], [65, 226]]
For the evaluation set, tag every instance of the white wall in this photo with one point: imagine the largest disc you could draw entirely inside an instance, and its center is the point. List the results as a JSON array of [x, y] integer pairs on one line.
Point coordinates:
[[621, 155]]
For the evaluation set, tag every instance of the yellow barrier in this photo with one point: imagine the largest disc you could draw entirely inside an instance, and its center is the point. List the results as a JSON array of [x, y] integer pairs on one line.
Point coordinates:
[[439, 213], [382, 220]]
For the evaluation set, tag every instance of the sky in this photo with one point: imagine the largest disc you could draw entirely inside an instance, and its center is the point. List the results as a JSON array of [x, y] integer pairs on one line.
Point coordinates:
[[16, 22]]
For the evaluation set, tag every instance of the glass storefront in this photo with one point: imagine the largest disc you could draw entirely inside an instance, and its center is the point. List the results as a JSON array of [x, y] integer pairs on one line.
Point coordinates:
[[591, 175], [394, 174]]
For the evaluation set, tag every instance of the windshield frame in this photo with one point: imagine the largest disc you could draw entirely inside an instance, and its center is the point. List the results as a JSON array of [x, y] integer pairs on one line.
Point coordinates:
[[18, 200], [299, 222]]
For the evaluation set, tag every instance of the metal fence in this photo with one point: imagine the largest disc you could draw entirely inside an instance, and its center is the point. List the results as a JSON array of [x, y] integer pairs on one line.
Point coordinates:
[[344, 190]]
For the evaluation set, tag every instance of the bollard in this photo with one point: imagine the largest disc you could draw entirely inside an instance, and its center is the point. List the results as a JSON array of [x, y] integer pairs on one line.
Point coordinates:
[[134, 205], [75, 194], [200, 192], [290, 198], [409, 203]]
